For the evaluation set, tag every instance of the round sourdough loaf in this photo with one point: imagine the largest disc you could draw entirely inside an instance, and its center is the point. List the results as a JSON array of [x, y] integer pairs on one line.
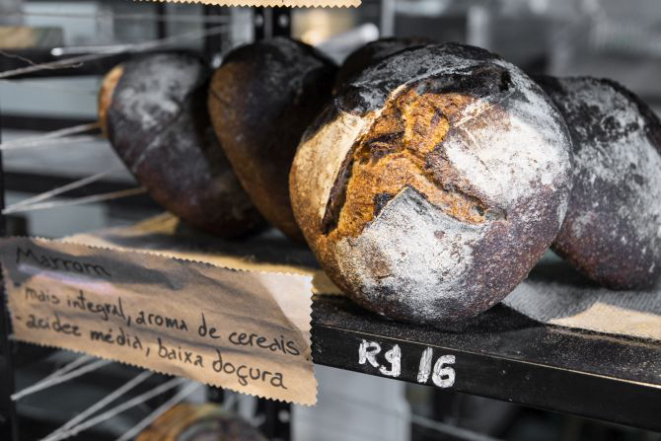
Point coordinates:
[[612, 231], [372, 53], [153, 110], [261, 100], [433, 183]]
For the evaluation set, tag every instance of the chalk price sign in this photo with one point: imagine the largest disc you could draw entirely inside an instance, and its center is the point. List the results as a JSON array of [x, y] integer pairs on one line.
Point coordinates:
[[389, 363]]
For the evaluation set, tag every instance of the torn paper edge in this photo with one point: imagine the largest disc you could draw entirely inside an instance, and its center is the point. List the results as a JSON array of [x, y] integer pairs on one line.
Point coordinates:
[[268, 3], [6, 280]]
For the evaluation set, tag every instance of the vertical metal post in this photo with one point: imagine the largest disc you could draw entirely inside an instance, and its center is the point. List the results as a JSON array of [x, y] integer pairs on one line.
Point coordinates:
[[271, 22], [387, 19], [215, 395], [161, 22], [8, 420], [213, 44], [277, 418]]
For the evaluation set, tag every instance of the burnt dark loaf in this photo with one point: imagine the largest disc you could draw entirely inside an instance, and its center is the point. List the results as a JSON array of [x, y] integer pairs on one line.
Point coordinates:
[[261, 100], [433, 183], [612, 231], [153, 110], [372, 53]]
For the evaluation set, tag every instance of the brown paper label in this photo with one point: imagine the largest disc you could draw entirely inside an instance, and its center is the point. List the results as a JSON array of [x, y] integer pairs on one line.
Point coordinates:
[[274, 3], [242, 330]]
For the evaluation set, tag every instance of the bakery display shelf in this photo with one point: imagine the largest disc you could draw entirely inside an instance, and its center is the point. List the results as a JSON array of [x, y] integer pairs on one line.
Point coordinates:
[[507, 356], [38, 56], [37, 183], [501, 354]]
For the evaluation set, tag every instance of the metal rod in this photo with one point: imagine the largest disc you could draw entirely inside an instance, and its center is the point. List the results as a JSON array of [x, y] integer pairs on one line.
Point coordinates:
[[117, 393], [120, 408], [277, 416], [212, 43], [59, 379], [8, 422], [75, 62], [77, 201], [161, 23], [169, 404], [271, 22], [387, 18]]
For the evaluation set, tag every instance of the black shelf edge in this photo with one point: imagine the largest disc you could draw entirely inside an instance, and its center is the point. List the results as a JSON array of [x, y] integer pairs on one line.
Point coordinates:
[[506, 356]]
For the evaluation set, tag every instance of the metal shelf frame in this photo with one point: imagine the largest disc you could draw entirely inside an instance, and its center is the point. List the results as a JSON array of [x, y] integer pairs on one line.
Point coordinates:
[[501, 354], [268, 22], [504, 355]]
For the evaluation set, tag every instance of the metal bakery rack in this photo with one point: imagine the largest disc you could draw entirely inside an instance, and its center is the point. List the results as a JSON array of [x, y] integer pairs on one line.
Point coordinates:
[[501, 355]]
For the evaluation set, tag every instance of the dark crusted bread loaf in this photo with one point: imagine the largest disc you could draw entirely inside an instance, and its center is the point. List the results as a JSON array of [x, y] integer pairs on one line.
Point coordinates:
[[372, 53], [261, 100], [612, 231], [153, 110], [433, 183]]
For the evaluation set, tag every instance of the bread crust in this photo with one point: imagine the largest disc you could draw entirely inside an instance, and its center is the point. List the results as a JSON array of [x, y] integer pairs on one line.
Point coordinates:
[[108, 86], [261, 100], [372, 53], [433, 183], [155, 114], [612, 232]]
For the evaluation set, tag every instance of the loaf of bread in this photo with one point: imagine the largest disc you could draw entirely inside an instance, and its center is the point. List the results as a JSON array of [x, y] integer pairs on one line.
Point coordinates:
[[612, 231], [261, 100], [153, 110], [372, 53], [433, 183], [199, 422]]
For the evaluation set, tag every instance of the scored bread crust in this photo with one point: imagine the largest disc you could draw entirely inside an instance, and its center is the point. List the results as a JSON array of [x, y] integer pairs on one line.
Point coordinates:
[[433, 183], [612, 231], [372, 53], [153, 110], [261, 100]]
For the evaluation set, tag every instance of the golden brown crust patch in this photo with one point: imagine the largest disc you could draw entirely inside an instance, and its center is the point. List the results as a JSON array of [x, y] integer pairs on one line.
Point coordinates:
[[393, 155], [108, 87]]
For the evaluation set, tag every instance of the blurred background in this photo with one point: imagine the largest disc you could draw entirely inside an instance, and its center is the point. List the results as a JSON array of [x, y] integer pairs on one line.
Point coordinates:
[[603, 38]]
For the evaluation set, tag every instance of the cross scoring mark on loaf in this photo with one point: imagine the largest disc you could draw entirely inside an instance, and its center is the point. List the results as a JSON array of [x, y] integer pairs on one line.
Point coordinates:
[[404, 149]]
